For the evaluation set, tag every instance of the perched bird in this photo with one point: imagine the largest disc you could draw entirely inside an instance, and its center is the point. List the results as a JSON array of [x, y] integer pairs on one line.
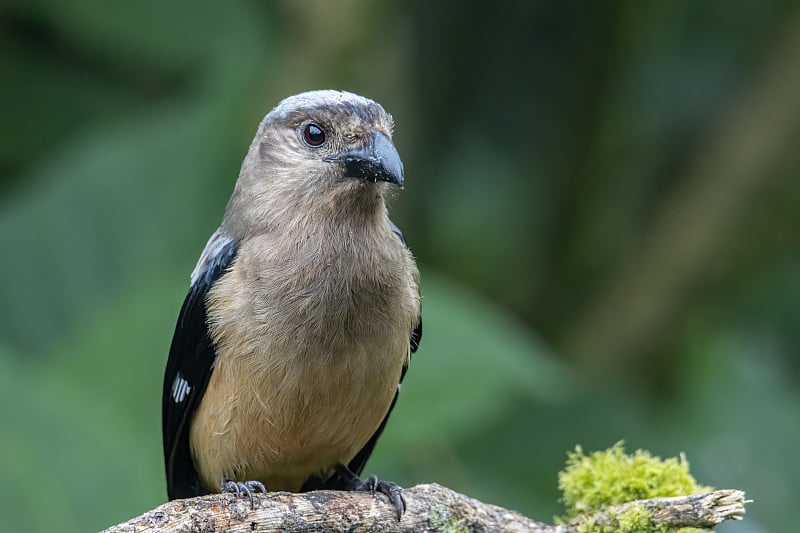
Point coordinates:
[[302, 313]]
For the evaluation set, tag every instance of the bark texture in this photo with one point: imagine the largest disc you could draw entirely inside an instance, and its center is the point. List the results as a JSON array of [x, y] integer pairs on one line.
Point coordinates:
[[430, 508]]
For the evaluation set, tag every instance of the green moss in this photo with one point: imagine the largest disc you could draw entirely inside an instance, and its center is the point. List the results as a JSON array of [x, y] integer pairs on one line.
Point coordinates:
[[596, 481], [634, 520], [440, 520]]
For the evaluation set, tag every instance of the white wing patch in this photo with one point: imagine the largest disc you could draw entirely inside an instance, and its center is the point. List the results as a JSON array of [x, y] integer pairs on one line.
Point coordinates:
[[214, 245], [180, 389]]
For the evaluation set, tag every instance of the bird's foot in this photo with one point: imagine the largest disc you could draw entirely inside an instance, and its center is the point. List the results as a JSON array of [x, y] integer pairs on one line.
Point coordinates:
[[392, 490], [372, 484], [243, 488]]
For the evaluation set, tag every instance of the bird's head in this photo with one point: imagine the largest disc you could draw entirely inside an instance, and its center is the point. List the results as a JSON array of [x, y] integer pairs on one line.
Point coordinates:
[[336, 134], [319, 147]]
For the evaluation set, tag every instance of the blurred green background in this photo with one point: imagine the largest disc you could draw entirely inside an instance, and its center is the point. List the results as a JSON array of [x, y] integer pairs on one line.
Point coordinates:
[[603, 199]]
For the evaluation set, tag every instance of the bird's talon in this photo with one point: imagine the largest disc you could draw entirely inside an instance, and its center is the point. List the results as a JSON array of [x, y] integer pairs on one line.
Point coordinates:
[[253, 485], [231, 487], [246, 487], [395, 494], [372, 484], [392, 490]]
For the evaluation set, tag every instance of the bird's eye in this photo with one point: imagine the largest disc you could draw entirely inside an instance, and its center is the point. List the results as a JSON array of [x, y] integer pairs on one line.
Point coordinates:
[[313, 135]]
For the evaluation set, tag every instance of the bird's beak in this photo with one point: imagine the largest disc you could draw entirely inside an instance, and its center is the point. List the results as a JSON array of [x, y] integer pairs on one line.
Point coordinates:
[[378, 161]]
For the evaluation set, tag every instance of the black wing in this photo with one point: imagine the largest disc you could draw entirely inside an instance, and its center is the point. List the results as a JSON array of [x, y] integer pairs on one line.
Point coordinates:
[[358, 462], [191, 360]]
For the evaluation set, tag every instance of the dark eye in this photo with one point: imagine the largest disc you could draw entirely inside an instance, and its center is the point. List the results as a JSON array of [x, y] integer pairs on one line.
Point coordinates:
[[313, 135]]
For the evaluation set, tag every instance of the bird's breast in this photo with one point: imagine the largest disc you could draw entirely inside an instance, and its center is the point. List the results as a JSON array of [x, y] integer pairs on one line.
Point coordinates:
[[311, 340]]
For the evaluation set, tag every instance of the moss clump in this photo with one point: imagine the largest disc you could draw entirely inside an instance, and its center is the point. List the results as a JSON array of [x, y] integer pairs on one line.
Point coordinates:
[[634, 520], [441, 521], [594, 482]]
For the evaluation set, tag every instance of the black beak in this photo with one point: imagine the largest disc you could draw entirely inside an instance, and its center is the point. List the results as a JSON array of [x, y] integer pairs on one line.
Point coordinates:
[[378, 161]]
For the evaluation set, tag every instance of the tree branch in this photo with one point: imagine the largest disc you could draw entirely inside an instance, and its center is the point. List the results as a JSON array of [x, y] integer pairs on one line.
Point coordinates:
[[430, 508]]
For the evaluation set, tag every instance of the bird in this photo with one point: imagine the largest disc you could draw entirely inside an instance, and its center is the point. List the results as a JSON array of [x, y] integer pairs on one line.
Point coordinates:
[[302, 312]]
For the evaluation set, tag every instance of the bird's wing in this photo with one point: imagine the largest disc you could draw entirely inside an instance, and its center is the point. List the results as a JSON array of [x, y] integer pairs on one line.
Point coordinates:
[[416, 335], [191, 361], [358, 462]]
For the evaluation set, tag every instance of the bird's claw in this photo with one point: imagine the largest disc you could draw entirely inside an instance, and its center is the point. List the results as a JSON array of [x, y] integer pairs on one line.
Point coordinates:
[[244, 487], [372, 484], [392, 490]]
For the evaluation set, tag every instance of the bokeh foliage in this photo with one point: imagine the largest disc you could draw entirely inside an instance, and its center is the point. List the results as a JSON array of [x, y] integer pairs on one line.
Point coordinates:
[[603, 198]]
